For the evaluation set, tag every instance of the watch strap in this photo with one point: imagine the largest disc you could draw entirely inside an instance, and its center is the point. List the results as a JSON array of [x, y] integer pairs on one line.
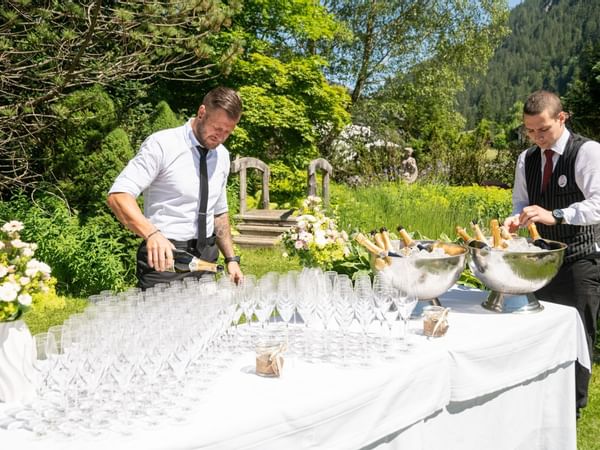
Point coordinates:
[[558, 216], [229, 259]]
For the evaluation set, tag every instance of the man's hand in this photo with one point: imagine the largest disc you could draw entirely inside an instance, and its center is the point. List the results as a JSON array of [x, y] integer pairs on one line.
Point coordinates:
[[535, 213], [160, 252], [512, 223], [235, 272]]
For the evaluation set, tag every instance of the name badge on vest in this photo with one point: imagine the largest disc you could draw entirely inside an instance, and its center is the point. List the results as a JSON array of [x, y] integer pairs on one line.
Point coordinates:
[[562, 181]]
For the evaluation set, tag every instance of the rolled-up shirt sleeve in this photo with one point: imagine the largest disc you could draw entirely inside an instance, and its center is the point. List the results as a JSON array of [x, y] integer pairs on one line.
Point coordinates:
[[140, 171]]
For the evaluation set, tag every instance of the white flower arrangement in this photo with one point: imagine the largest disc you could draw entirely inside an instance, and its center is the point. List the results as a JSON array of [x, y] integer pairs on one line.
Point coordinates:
[[315, 238], [21, 275]]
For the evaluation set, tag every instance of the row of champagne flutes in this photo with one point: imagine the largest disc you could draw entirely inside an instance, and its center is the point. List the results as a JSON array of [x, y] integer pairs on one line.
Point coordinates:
[[137, 357], [336, 316], [132, 357]]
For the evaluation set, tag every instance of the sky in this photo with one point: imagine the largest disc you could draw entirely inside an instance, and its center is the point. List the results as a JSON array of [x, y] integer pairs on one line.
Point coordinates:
[[513, 3]]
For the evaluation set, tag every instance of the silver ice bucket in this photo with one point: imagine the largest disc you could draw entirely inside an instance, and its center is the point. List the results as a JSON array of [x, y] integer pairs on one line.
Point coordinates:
[[432, 275], [513, 276]]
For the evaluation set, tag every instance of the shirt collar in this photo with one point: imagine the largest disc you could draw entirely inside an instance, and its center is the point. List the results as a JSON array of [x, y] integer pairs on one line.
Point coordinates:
[[190, 137], [561, 142]]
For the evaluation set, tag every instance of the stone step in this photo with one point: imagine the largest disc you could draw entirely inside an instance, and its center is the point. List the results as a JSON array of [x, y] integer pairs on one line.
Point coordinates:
[[261, 230], [268, 216], [255, 241]]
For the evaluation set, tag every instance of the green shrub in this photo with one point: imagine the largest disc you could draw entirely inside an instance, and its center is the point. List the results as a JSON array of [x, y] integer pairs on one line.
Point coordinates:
[[164, 118], [94, 174], [287, 186], [86, 117], [85, 257]]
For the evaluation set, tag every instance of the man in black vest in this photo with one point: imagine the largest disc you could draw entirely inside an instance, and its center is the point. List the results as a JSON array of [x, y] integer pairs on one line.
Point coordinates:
[[557, 186]]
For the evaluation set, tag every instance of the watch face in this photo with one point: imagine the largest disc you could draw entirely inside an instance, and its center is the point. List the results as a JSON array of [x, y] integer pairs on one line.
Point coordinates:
[[558, 215]]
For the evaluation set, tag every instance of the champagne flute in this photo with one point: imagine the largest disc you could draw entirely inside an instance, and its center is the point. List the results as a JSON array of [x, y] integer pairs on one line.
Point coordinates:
[[406, 300]]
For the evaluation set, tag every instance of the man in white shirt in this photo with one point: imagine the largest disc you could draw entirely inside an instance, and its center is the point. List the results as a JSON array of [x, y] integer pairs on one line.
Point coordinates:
[[557, 185], [182, 173]]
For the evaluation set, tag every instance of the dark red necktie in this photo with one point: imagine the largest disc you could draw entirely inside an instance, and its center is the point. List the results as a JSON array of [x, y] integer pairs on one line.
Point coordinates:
[[547, 168]]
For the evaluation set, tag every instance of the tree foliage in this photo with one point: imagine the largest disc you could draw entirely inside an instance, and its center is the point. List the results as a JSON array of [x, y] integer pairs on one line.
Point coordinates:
[[541, 53], [48, 49], [289, 107], [392, 36], [582, 99]]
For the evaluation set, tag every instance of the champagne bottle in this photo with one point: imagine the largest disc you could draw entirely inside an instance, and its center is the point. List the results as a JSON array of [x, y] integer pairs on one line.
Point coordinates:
[[376, 236], [380, 242], [186, 262], [462, 233], [408, 241], [536, 238], [374, 249], [505, 233], [370, 246], [497, 241], [449, 249], [387, 242], [479, 236]]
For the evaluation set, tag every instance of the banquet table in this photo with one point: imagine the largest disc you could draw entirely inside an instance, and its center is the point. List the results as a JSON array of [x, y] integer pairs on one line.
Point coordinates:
[[502, 381]]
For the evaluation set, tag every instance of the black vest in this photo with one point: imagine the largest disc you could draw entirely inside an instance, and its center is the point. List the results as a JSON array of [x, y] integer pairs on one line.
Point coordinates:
[[561, 192]]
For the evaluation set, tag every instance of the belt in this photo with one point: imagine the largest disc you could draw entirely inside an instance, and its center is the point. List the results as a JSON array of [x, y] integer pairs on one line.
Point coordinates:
[[192, 242]]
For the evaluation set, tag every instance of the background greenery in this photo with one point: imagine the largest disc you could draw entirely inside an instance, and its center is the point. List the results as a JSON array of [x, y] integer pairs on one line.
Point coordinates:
[[84, 82]]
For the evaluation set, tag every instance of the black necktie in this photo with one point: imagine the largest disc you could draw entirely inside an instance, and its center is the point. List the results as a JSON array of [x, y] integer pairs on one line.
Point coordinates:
[[201, 241]]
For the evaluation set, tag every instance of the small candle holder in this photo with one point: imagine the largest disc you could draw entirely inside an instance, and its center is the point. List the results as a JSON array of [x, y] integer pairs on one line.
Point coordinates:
[[435, 321]]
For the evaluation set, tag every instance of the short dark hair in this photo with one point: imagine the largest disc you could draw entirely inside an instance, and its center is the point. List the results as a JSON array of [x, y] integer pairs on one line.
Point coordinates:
[[540, 101], [226, 99]]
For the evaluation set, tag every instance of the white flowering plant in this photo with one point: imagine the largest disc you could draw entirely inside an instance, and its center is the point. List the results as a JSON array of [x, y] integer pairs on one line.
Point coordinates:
[[315, 238], [21, 275]]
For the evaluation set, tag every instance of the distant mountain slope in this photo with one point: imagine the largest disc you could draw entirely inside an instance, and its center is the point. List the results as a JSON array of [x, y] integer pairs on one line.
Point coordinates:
[[547, 37]]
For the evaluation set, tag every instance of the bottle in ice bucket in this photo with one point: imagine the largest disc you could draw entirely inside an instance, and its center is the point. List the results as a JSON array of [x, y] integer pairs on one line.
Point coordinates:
[[536, 238], [471, 242], [408, 241], [380, 242], [498, 241], [186, 262], [379, 253]]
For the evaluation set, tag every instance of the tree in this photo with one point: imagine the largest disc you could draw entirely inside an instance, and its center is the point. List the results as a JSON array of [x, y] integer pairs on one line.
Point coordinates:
[[541, 53], [392, 36], [48, 49], [288, 104], [582, 99]]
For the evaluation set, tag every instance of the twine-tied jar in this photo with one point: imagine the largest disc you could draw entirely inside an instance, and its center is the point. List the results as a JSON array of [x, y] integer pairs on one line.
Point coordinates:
[[269, 357], [435, 321]]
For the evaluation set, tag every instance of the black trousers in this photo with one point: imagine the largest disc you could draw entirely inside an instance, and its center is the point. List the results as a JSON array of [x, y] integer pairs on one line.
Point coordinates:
[[148, 277], [577, 284]]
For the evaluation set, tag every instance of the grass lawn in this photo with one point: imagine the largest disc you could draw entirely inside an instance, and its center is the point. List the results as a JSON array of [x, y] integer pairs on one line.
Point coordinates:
[[588, 427], [259, 262]]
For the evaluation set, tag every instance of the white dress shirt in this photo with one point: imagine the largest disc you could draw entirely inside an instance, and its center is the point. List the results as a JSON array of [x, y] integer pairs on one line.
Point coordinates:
[[166, 171], [587, 178]]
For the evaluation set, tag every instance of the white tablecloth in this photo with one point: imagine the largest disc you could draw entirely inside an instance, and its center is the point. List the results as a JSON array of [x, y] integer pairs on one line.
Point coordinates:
[[491, 375], [490, 351], [512, 378]]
